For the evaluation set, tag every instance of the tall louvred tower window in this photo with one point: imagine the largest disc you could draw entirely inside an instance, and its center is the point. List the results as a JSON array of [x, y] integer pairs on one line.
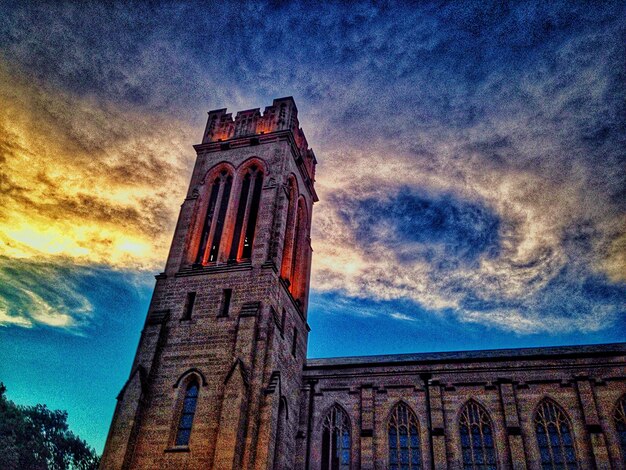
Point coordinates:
[[290, 231], [213, 226], [247, 213]]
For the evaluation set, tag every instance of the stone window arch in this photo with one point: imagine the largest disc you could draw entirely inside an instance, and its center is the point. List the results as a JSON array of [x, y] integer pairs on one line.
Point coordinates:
[[477, 442], [250, 185], [554, 437], [336, 440], [219, 181], [403, 439], [620, 424]]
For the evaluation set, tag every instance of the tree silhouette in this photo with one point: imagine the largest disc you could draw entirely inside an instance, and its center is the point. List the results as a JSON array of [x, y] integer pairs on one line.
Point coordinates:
[[38, 438]]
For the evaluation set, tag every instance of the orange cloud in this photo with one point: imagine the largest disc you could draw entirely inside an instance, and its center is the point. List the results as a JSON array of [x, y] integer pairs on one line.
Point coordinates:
[[84, 179]]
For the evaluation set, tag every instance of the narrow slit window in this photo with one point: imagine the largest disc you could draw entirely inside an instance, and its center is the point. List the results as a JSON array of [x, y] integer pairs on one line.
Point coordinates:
[[228, 293], [189, 303], [294, 344], [221, 217], [186, 417]]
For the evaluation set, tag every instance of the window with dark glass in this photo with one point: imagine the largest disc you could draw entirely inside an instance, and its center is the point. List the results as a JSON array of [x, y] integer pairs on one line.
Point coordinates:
[[620, 425], [186, 416], [189, 303], [404, 442], [294, 342], [336, 440], [227, 296], [214, 220], [247, 212], [554, 437], [477, 444]]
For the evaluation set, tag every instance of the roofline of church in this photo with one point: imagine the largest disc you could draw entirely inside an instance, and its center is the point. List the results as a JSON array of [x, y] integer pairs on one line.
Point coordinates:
[[575, 352]]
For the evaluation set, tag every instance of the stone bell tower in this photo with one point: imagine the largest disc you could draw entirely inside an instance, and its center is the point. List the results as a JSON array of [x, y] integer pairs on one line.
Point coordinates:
[[217, 376]]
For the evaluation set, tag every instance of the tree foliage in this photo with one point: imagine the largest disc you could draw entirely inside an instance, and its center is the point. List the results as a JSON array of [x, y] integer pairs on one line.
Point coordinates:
[[38, 438]]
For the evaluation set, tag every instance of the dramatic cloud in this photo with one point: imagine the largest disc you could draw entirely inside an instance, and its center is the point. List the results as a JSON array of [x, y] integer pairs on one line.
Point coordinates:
[[471, 156], [85, 180], [60, 295]]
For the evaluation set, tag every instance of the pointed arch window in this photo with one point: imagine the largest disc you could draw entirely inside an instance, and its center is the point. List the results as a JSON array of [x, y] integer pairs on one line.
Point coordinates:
[[554, 437], [214, 219], [336, 440], [290, 230], [404, 442], [247, 213], [477, 444], [186, 417], [620, 425], [280, 430]]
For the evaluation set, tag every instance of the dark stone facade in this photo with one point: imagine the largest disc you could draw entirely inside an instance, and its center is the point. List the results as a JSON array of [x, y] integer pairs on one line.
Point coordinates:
[[220, 379]]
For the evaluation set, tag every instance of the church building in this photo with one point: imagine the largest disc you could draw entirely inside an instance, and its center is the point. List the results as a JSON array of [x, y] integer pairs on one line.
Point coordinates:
[[221, 378]]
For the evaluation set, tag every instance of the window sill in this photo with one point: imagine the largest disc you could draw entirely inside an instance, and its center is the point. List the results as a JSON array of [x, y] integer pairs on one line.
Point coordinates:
[[178, 449]]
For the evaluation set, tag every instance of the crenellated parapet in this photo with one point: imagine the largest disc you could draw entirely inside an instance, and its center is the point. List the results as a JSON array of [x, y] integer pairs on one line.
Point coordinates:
[[281, 116]]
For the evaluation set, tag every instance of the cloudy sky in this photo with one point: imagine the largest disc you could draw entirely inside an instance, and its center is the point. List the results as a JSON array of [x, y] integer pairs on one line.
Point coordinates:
[[472, 173]]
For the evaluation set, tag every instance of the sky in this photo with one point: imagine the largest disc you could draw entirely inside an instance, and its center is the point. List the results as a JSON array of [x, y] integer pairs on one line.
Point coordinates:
[[471, 173]]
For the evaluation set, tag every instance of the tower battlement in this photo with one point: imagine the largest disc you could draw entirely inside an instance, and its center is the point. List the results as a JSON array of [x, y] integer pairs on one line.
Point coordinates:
[[281, 116]]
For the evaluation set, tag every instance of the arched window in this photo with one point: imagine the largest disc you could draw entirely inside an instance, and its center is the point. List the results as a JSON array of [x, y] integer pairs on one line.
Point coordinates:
[[554, 437], [247, 212], [280, 427], [336, 440], [299, 256], [187, 413], [476, 438], [214, 220], [404, 441], [620, 424], [290, 230]]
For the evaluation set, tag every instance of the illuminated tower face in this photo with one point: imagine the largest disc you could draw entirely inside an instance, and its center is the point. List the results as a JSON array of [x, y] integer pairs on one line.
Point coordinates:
[[216, 379]]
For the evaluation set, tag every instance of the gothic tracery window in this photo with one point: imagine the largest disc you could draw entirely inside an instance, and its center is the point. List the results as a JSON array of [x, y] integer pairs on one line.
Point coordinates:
[[554, 437], [336, 440], [620, 425], [404, 443], [247, 212], [477, 443], [213, 226], [186, 417]]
